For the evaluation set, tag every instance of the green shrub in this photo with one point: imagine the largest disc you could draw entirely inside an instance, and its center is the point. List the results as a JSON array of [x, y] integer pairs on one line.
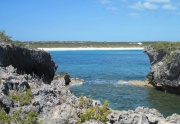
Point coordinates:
[[19, 117], [7, 39], [85, 102], [4, 37], [4, 118], [95, 112], [168, 48], [24, 98]]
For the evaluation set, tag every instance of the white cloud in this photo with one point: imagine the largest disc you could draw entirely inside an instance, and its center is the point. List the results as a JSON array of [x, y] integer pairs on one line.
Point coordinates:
[[169, 7], [146, 5], [159, 1], [112, 8], [133, 14], [149, 5], [105, 1]]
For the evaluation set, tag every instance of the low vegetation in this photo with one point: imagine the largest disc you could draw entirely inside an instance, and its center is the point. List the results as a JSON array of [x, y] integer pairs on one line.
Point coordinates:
[[24, 98], [18, 117], [0, 80], [168, 48], [95, 112], [83, 44], [4, 118], [4, 38], [85, 102]]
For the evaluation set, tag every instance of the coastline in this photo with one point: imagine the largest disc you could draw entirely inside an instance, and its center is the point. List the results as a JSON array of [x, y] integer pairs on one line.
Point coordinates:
[[91, 48], [136, 82]]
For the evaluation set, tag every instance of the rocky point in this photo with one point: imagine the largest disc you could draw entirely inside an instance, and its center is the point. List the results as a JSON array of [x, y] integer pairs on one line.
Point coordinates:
[[165, 70]]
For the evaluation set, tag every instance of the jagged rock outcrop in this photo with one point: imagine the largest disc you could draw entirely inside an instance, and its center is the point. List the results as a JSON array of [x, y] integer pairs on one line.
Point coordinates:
[[29, 61], [165, 70], [141, 115], [66, 77], [54, 102]]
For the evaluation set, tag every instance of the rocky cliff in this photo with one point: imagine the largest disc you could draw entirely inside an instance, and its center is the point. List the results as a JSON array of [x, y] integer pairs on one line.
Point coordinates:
[[34, 62], [165, 69], [25, 99]]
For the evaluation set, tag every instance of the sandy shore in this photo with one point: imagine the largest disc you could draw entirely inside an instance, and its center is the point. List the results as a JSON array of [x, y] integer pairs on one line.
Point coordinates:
[[67, 49], [136, 82]]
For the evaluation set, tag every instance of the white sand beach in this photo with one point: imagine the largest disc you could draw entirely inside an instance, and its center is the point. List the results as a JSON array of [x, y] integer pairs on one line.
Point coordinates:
[[90, 48]]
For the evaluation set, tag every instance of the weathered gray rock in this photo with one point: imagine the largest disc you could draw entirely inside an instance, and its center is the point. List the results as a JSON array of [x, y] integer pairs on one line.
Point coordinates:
[[61, 114], [141, 115], [54, 98], [165, 72], [66, 77], [54, 102], [76, 81], [29, 61]]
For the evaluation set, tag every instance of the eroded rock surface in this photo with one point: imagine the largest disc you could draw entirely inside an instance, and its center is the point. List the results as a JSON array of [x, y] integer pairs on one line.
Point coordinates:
[[165, 70], [141, 115], [29, 61], [55, 104]]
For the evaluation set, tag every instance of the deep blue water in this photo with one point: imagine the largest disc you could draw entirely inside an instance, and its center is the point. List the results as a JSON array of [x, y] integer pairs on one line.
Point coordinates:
[[101, 71]]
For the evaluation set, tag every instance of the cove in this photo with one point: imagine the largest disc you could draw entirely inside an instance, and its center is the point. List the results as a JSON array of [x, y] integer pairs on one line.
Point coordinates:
[[101, 71]]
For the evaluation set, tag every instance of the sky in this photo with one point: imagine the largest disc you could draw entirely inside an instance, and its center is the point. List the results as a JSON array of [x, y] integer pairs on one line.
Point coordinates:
[[91, 20]]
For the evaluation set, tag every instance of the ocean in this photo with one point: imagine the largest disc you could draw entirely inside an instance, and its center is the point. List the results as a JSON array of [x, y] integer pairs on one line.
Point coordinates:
[[102, 69]]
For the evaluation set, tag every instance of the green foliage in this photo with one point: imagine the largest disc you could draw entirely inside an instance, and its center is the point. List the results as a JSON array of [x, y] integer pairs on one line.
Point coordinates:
[[23, 98], [4, 118], [0, 80], [95, 112], [18, 43], [19, 117], [85, 102], [168, 48], [4, 37], [84, 44], [7, 39]]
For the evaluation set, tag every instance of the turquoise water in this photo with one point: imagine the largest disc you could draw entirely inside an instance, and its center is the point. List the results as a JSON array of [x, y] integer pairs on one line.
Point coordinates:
[[101, 71]]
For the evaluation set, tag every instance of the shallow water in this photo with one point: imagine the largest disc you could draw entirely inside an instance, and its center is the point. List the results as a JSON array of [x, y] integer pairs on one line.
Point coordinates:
[[101, 71]]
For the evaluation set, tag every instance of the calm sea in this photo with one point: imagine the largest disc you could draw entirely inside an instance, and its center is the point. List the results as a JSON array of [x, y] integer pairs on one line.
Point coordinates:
[[101, 71]]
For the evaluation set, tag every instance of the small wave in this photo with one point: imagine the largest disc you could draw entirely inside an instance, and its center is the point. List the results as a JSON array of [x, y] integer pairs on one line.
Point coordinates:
[[79, 83], [99, 81]]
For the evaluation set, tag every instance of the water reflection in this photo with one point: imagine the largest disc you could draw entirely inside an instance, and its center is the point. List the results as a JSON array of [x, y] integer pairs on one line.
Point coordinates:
[[166, 103]]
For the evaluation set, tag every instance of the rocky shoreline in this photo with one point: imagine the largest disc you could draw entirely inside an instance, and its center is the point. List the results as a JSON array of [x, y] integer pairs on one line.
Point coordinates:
[[28, 99], [165, 69]]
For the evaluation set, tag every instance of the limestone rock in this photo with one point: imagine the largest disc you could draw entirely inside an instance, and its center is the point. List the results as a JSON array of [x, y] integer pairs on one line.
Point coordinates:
[[75, 81], [60, 114], [140, 115], [66, 77], [165, 72], [29, 61]]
